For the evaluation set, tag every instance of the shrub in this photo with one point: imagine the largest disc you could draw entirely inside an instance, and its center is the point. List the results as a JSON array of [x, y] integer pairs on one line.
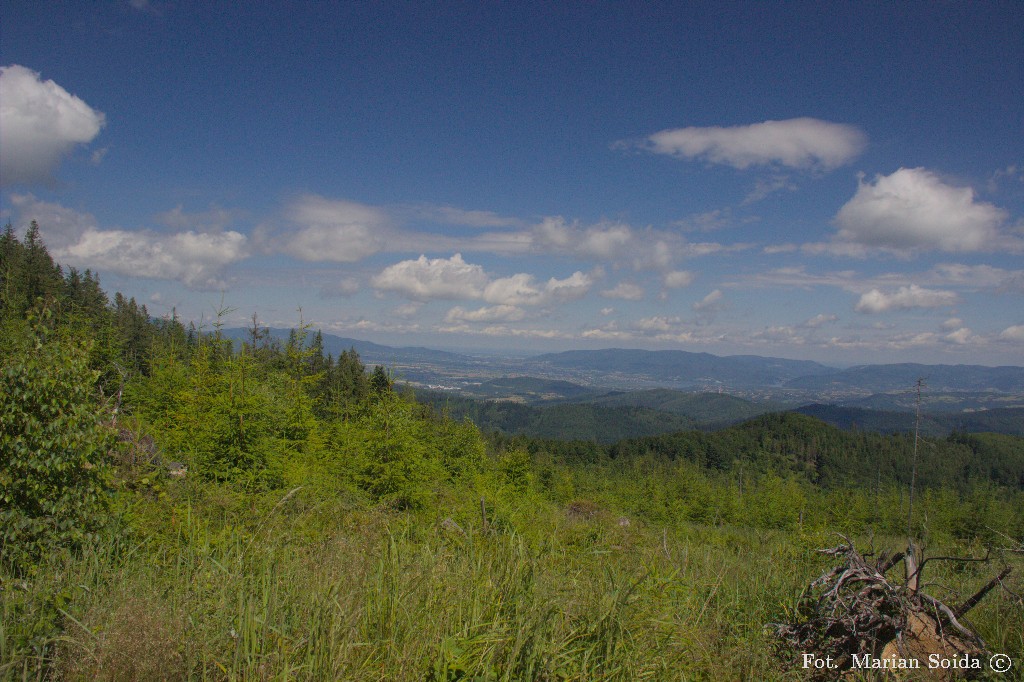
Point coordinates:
[[53, 447]]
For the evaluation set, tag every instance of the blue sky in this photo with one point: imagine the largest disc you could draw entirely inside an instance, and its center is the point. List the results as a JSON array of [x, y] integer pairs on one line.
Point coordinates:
[[840, 182]]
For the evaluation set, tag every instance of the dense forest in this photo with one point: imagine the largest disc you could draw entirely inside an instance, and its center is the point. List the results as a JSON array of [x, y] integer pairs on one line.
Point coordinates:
[[176, 505]]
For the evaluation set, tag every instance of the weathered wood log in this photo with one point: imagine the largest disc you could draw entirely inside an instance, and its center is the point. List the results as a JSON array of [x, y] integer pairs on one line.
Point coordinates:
[[980, 594], [913, 572]]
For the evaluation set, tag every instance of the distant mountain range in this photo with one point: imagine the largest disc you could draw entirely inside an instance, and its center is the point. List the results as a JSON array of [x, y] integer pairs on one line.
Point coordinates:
[[678, 368], [631, 369], [884, 378], [616, 393]]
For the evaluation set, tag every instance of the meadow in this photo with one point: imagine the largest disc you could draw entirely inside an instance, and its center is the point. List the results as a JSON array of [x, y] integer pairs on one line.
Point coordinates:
[[177, 506]]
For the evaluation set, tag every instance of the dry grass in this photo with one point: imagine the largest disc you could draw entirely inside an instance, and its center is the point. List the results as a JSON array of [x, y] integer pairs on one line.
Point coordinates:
[[136, 639]]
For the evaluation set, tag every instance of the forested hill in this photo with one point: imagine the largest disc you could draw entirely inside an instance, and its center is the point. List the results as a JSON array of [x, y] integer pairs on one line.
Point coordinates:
[[604, 418], [788, 444], [1006, 420]]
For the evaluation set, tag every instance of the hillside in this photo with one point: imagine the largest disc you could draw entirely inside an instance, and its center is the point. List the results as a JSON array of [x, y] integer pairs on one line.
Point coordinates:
[[564, 421], [707, 409], [1008, 421]]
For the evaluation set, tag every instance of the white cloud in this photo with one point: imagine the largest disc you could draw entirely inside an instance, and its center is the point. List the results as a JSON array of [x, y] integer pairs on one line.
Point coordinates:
[[407, 310], [213, 220], [607, 335], [875, 301], [952, 324], [333, 230], [658, 323], [677, 279], [1014, 333], [978, 276], [795, 143], [40, 123], [453, 278], [711, 303], [781, 334], [705, 222], [961, 336], [626, 291], [819, 320], [765, 187], [523, 289], [914, 209], [571, 288], [519, 289], [496, 313], [602, 241], [193, 257], [423, 278], [516, 332]]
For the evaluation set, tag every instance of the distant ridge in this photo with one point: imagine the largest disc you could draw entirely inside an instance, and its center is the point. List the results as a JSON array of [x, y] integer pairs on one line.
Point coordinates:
[[676, 369], [369, 352], [883, 378], [679, 368]]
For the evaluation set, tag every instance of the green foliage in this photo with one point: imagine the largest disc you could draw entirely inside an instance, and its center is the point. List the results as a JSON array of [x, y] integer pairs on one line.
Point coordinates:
[[516, 469], [330, 527], [399, 465], [28, 276], [53, 447], [380, 382]]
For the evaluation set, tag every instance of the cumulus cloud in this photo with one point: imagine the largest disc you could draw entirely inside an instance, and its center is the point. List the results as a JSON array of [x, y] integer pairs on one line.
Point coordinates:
[[960, 337], [711, 303], [496, 313], [804, 143], [424, 279], [523, 289], [602, 241], [677, 279], [913, 296], [40, 124], [193, 257], [1014, 333], [914, 209], [332, 230], [453, 278], [626, 291]]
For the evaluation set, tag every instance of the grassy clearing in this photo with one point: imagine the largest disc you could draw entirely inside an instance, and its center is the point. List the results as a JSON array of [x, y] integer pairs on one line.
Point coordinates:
[[311, 589]]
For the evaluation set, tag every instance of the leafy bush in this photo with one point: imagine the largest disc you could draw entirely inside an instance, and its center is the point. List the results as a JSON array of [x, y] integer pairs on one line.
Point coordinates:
[[53, 447]]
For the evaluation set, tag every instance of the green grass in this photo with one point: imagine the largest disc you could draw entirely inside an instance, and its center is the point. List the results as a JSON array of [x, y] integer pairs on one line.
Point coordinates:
[[226, 588]]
